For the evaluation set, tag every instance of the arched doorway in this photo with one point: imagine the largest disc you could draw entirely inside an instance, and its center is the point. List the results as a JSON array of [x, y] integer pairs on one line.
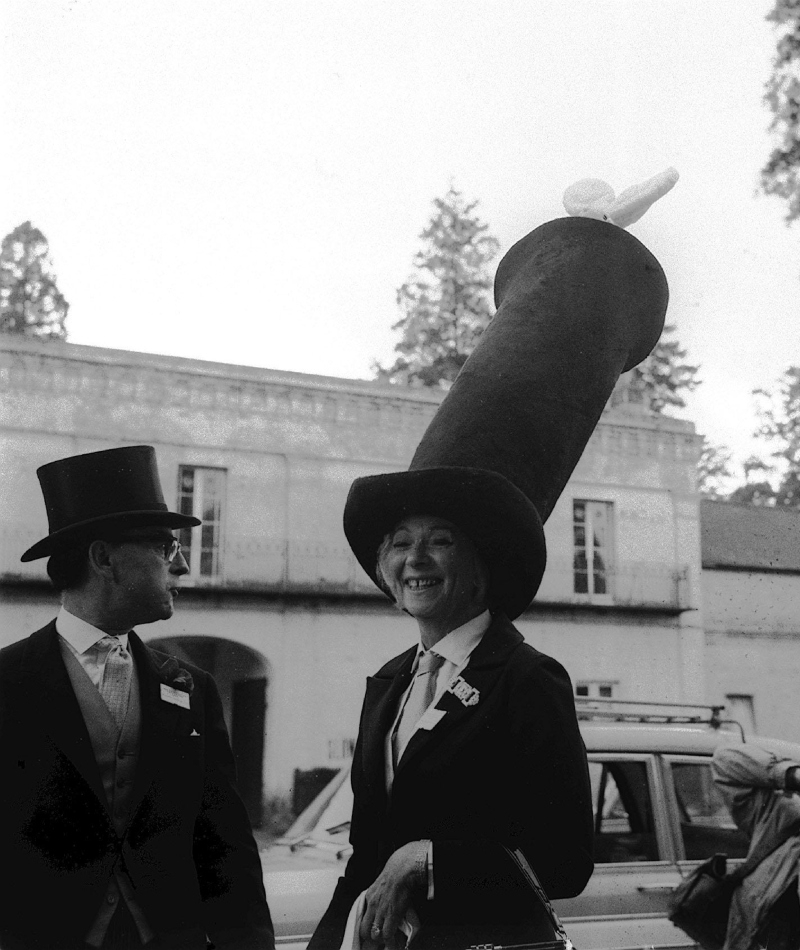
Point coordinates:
[[242, 676]]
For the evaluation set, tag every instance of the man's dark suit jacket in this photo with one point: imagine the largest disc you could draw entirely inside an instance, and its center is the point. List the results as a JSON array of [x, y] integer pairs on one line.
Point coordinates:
[[509, 771], [188, 848]]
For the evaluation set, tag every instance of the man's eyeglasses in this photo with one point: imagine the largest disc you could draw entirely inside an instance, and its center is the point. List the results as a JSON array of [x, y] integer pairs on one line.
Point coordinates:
[[168, 548]]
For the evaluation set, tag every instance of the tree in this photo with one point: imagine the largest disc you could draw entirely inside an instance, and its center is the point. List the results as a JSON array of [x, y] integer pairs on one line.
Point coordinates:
[[778, 413], [755, 490], [447, 303], [781, 174], [664, 376], [30, 301], [714, 470], [773, 479]]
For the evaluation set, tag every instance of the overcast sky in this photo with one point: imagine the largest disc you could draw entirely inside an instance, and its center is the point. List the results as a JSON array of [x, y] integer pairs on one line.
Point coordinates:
[[246, 182]]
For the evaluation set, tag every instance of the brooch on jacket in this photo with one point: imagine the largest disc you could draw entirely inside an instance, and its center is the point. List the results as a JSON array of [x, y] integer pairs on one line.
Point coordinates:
[[462, 690]]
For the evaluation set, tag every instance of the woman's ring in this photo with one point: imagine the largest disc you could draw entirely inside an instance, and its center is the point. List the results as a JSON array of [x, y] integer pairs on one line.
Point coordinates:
[[376, 931]]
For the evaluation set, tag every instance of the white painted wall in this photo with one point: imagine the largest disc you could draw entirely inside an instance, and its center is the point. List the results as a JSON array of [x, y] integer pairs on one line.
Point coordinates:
[[753, 644], [291, 445]]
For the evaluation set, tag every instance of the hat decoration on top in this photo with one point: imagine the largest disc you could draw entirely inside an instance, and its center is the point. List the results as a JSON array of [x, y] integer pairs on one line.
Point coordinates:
[[579, 302], [98, 494], [593, 198]]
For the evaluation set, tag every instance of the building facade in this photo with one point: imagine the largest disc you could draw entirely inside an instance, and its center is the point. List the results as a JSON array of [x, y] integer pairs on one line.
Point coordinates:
[[751, 592], [275, 605]]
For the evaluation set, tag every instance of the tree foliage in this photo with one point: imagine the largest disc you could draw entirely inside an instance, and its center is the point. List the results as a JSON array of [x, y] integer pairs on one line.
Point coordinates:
[[756, 488], [778, 413], [714, 470], [781, 174], [771, 478], [30, 301], [447, 302], [664, 376], [754, 493]]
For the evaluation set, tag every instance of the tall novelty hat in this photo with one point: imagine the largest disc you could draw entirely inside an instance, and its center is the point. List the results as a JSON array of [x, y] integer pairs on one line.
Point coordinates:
[[579, 302], [99, 494]]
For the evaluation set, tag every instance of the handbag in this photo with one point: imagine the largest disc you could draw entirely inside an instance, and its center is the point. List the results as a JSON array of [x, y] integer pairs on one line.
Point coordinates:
[[701, 903], [560, 939]]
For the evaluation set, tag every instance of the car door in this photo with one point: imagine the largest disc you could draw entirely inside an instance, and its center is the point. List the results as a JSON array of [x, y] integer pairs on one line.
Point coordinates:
[[624, 903], [701, 818]]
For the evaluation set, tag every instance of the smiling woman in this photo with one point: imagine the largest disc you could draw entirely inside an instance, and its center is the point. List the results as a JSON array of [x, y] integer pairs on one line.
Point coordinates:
[[469, 766], [468, 748], [433, 572]]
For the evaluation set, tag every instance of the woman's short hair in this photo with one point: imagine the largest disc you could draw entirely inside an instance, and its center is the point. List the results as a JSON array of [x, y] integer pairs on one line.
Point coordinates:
[[382, 548]]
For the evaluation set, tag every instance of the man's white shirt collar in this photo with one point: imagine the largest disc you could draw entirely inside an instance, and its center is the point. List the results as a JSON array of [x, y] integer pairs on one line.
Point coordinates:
[[79, 634]]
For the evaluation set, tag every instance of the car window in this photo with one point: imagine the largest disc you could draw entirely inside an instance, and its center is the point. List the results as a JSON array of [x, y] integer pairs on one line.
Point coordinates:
[[624, 825], [706, 825]]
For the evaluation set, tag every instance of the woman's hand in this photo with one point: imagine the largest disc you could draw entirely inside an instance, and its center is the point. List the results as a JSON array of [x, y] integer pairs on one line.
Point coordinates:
[[389, 899]]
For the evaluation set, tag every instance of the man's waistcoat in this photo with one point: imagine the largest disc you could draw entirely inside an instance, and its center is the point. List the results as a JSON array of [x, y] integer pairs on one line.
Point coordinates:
[[116, 752]]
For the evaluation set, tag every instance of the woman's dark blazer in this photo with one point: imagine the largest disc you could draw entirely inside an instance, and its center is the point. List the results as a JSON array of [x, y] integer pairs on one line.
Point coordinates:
[[509, 770]]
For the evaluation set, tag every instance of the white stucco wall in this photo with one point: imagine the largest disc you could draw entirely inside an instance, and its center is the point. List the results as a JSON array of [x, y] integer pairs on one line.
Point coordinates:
[[291, 445], [753, 644]]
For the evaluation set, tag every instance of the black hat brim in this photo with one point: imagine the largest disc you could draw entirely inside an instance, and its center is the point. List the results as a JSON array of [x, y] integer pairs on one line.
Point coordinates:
[[93, 528], [497, 517]]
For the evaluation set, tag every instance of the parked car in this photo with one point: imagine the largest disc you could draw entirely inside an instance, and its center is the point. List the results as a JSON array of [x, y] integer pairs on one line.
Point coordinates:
[[657, 815]]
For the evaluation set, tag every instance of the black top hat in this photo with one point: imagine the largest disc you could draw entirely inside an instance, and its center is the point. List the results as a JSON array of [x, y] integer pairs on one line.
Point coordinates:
[[100, 493], [579, 301]]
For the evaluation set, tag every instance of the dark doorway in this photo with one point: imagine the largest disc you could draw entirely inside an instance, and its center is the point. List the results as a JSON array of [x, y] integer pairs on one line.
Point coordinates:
[[249, 715], [241, 675]]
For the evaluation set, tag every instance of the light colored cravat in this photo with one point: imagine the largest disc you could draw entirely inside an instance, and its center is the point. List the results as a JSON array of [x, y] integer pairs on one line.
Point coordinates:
[[420, 697], [116, 685]]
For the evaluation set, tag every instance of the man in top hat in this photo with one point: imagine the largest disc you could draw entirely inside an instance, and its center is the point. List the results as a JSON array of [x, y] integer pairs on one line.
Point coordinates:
[[469, 764], [120, 824]]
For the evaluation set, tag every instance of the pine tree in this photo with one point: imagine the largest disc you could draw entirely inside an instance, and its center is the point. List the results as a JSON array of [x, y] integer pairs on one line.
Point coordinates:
[[447, 303], [661, 379], [756, 490], [714, 470], [778, 413], [781, 173], [30, 301]]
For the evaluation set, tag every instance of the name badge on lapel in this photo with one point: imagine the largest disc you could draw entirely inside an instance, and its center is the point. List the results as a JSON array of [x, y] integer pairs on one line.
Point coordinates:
[[176, 696], [430, 718]]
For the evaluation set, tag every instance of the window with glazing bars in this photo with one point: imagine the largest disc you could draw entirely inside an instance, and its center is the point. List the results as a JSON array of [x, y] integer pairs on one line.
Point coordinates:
[[592, 534], [201, 493]]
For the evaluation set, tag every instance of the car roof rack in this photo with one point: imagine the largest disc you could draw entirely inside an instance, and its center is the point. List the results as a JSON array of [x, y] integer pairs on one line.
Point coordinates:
[[627, 710]]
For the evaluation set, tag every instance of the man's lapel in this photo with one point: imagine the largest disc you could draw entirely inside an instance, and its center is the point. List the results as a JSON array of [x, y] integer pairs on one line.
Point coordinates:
[[160, 719], [54, 707], [472, 687], [380, 707]]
